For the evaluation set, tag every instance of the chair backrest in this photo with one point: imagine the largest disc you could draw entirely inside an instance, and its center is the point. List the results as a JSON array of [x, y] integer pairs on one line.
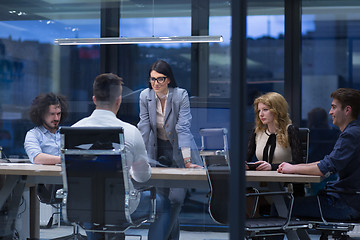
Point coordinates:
[[95, 176], [215, 154], [214, 141], [218, 177], [47, 193], [304, 140]]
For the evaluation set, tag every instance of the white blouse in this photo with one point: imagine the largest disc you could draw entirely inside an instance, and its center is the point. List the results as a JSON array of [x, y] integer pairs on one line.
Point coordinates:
[[160, 122], [160, 118], [281, 154]]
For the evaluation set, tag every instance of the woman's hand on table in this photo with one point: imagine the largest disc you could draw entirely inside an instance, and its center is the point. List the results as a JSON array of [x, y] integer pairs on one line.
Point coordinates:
[[191, 165], [264, 166]]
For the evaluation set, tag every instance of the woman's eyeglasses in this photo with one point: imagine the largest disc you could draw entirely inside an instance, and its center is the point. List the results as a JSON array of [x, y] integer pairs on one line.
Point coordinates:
[[159, 79]]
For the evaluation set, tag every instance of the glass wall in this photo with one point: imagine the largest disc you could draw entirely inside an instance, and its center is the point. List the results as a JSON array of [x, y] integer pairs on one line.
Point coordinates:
[[40, 66], [30, 64], [265, 58], [330, 51]]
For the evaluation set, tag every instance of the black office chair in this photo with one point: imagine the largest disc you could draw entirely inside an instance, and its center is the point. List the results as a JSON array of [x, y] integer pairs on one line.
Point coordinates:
[[214, 141], [265, 226], [268, 226], [96, 180], [304, 134], [47, 194], [218, 177], [255, 228], [338, 229], [215, 155], [328, 227], [11, 194]]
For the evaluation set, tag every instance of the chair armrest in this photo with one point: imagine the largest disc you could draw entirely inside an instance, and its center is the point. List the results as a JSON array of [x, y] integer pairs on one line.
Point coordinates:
[[151, 189], [47, 193], [284, 193], [60, 193], [152, 199], [268, 194], [353, 192], [153, 193]]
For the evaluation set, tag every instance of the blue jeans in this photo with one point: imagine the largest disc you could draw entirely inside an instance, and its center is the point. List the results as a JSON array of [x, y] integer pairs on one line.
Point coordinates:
[[332, 208], [175, 195], [158, 229]]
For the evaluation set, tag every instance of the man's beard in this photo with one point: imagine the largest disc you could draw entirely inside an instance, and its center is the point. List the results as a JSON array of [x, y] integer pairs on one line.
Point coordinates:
[[51, 127]]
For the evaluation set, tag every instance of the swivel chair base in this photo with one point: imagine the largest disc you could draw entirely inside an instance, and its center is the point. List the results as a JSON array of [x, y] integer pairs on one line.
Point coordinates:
[[75, 235]]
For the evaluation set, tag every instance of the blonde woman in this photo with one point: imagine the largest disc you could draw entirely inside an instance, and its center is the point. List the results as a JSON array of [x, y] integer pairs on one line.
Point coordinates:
[[274, 139]]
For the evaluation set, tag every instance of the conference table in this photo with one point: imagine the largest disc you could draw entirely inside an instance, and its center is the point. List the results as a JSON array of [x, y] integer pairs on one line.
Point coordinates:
[[32, 174]]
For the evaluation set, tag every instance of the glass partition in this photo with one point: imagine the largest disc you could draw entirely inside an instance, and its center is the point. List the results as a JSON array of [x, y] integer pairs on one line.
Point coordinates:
[[330, 50], [265, 63], [31, 64]]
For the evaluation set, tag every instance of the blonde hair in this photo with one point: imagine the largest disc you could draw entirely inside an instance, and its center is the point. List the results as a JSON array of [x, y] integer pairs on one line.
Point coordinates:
[[279, 108]]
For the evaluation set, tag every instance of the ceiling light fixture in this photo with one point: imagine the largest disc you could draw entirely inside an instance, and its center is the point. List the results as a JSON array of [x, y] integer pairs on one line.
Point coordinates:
[[138, 40]]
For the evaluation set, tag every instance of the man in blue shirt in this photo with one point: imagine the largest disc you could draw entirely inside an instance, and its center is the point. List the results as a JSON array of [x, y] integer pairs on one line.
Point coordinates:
[[42, 143], [344, 160]]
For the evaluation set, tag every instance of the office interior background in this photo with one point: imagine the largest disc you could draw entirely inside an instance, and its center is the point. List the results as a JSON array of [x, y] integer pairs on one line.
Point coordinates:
[[301, 49]]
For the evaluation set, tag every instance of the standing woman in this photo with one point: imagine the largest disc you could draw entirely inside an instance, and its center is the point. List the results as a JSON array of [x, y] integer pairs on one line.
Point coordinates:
[[165, 121], [274, 139]]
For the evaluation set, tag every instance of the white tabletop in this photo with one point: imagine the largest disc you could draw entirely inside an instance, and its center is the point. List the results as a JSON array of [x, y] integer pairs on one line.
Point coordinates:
[[160, 173]]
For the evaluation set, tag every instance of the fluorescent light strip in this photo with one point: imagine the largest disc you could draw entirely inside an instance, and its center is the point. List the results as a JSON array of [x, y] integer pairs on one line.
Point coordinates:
[[112, 40]]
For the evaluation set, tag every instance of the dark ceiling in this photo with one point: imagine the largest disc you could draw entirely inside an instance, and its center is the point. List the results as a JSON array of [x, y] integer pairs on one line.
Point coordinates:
[[90, 9]]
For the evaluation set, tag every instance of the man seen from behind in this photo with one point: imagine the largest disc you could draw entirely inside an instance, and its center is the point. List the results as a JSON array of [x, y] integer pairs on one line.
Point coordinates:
[[107, 90]]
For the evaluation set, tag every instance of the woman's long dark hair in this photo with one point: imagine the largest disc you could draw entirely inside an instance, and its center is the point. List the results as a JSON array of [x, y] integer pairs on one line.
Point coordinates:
[[163, 67]]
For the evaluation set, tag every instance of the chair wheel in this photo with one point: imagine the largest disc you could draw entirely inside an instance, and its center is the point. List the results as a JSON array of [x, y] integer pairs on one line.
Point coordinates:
[[342, 237], [324, 236]]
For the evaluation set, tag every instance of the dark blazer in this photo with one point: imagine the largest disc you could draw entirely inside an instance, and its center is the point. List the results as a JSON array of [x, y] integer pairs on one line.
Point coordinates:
[[294, 142]]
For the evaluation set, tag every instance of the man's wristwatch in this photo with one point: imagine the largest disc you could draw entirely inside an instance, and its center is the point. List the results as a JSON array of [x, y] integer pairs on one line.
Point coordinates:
[[187, 161]]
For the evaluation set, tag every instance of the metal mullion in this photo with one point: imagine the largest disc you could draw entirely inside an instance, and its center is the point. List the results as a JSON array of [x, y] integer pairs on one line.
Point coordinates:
[[238, 136]]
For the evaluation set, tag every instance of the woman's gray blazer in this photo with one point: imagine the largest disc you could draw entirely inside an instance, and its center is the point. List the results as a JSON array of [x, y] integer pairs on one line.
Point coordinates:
[[177, 124]]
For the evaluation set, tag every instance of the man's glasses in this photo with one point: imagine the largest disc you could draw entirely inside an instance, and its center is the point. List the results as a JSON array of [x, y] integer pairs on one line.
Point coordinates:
[[159, 79]]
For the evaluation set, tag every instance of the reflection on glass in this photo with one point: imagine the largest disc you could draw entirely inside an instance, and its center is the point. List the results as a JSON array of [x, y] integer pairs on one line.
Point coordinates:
[[330, 51], [30, 64], [265, 62]]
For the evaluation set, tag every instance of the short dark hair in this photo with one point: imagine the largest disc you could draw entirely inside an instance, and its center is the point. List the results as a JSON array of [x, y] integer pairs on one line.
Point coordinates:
[[348, 97], [318, 118], [163, 67], [106, 88], [40, 106]]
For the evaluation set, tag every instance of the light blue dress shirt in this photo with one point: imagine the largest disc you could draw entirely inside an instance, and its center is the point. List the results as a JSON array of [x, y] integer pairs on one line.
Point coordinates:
[[40, 140]]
